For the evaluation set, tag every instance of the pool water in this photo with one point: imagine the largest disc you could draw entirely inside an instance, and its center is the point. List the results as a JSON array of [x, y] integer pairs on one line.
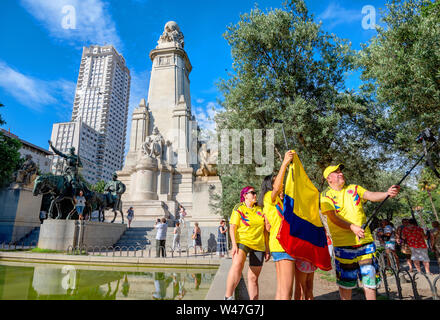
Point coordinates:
[[33, 281]]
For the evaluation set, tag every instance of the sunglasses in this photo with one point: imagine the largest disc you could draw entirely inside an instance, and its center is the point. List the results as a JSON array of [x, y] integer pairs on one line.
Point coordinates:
[[251, 192]]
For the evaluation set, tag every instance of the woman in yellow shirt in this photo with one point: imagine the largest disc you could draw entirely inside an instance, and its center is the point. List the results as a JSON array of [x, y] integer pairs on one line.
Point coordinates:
[[270, 201], [248, 236]]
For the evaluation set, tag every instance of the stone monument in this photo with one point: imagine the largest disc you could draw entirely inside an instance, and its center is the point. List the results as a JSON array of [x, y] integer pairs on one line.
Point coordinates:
[[163, 158], [19, 209]]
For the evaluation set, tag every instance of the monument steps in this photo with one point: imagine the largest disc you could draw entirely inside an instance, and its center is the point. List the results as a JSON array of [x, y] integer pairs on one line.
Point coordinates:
[[30, 238], [134, 237]]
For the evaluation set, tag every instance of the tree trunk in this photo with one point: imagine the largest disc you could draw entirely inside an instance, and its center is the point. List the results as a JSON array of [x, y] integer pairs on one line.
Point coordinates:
[[433, 206]]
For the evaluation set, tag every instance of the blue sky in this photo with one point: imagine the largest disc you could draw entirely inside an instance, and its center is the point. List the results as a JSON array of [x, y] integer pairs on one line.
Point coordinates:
[[39, 59]]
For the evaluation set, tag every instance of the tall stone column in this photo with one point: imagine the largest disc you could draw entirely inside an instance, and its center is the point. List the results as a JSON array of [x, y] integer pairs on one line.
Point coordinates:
[[146, 180], [169, 92], [139, 131]]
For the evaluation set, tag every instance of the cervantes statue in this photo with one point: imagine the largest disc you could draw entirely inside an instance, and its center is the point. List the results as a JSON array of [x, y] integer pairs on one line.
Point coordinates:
[[153, 145]]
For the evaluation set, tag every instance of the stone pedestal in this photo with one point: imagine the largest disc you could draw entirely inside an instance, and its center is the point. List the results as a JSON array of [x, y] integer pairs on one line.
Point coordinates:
[[146, 180], [204, 190], [60, 234], [19, 213]]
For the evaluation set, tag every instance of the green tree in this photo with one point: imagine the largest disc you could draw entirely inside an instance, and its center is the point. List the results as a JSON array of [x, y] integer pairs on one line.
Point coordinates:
[[427, 184], [9, 156], [286, 67], [99, 186], [401, 71]]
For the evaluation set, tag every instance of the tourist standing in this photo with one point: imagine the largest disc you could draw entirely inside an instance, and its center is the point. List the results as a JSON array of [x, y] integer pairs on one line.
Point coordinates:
[[197, 237], [176, 236], [272, 205], [435, 240], [354, 248], [304, 274], [43, 216], [182, 215], [389, 236], [80, 203], [248, 236], [130, 216], [161, 236], [380, 233], [404, 247], [221, 239], [415, 236]]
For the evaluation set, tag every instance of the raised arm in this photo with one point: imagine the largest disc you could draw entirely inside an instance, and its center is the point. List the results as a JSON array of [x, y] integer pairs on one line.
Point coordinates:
[[380, 196], [56, 150], [278, 184]]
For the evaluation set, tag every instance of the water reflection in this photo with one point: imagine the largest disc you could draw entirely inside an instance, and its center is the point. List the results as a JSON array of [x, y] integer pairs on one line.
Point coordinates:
[[20, 281]]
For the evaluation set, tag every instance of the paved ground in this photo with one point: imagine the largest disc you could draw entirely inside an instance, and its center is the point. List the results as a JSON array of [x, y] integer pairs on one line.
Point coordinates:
[[325, 287]]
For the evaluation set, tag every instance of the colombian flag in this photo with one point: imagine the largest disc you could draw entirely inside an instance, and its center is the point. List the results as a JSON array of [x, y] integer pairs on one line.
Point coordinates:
[[302, 234]]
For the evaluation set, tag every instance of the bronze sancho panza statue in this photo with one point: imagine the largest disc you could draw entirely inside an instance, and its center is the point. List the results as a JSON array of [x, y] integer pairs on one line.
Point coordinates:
[[113, 191], [71, 170]]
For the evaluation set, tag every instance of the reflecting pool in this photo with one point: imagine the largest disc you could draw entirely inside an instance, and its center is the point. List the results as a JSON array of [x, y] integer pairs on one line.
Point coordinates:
[[33, 281]]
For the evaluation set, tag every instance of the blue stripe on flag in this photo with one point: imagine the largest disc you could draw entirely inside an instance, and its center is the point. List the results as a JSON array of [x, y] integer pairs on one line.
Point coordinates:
[[301, 228]]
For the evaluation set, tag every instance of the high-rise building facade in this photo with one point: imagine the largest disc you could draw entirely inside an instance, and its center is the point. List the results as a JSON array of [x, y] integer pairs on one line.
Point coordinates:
[[85, 141], [101, 102]]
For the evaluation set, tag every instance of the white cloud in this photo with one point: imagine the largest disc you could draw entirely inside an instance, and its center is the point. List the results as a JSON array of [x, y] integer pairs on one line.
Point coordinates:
[[335, 15], [35, 93], [205, 116], [92, 22]]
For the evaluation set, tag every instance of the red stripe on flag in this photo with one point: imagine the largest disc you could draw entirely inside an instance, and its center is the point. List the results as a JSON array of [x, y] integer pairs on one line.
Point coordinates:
[[304, 250]]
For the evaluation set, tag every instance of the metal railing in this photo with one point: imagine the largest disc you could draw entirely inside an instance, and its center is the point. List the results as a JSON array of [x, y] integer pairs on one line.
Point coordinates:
[[18, 245], [149, 251], [399, 273]]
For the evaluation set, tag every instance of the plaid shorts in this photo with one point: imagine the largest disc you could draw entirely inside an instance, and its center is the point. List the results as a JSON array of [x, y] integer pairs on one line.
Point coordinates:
[[357, 262]]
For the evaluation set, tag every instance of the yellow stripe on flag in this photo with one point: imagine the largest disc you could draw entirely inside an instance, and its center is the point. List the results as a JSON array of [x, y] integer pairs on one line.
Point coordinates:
[[303, 192]]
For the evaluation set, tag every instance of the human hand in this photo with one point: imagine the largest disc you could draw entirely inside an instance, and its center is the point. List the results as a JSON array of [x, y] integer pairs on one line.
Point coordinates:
[[288, 157], [358, 231], [234, 250], [393, 191], [266, 256]]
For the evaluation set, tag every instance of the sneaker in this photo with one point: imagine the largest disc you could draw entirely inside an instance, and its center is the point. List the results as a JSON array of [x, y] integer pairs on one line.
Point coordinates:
[[230, 298]]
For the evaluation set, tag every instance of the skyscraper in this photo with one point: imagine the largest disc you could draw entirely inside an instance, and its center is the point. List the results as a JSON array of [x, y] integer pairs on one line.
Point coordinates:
[[101, 102]]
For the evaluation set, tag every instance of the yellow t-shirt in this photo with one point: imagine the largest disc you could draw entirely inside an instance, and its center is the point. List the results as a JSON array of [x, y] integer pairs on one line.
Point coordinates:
[[250, 226], [274, 218], [348, 205]]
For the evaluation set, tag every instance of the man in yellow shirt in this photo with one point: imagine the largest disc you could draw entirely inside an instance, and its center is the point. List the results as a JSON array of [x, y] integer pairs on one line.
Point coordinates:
[[354, 247]]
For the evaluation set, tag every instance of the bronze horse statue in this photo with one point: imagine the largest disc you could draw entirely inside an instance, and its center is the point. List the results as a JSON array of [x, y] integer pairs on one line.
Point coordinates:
[[103, 203], [60, 190], [57, 187]]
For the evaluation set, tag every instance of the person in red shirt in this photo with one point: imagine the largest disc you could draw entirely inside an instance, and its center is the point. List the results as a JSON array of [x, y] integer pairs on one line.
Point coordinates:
[[415, 237]]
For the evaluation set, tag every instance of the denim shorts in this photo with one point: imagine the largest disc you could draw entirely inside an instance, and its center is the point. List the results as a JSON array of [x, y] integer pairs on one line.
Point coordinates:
[[278, 256], [80, 210]]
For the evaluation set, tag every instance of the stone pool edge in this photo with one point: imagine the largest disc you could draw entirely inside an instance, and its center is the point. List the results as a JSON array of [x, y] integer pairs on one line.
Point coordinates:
[[215, 292]]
